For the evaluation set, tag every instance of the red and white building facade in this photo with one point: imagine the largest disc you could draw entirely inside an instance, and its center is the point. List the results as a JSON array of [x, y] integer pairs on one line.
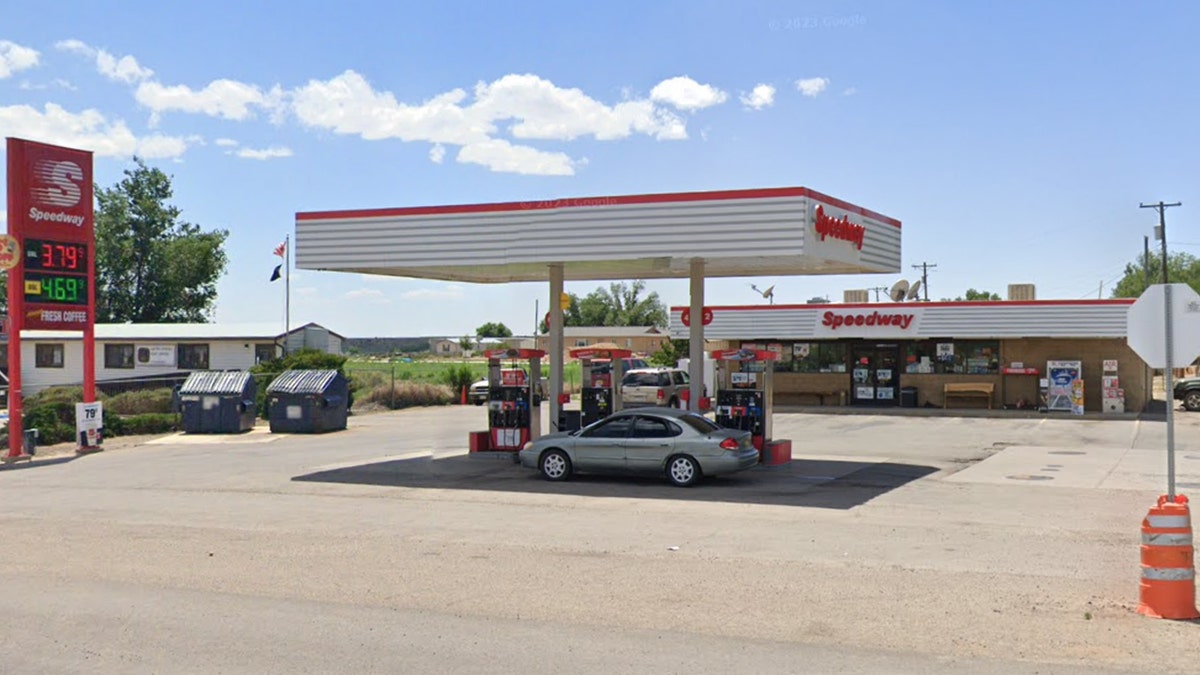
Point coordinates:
[[867, 354]]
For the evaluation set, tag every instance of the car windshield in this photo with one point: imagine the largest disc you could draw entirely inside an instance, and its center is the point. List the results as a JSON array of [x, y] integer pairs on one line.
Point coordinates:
[[642, 380], [700, 423]]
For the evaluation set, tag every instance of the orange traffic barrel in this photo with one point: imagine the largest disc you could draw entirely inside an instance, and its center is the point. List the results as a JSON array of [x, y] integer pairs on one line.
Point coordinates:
[[1168, 587]]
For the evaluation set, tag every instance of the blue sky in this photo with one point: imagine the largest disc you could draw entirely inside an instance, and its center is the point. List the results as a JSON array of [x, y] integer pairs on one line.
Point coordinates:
[[1013, 140]]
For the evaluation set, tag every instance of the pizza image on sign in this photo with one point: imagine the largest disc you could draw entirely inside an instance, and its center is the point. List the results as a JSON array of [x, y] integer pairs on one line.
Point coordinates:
[[10, 252]]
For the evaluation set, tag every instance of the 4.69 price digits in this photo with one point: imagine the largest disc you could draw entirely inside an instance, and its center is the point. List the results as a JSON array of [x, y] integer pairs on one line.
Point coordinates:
[[69, 290]]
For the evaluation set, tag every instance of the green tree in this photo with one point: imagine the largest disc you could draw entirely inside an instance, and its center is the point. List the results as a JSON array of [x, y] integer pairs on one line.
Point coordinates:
[[669, 353], [466, 343], [493, 330], [151, 266], [617, 305], [973, 295], [1182, 268]]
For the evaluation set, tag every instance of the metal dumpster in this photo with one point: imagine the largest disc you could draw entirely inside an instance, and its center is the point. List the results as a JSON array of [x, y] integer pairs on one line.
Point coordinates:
[[308, 401], [217, 402]]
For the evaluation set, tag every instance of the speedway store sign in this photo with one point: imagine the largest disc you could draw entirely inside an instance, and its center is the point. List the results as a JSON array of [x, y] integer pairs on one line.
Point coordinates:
[[896, 320], [50, 214]]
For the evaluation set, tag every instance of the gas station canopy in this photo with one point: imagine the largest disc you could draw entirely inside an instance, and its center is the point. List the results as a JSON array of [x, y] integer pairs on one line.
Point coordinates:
[[757, 232]]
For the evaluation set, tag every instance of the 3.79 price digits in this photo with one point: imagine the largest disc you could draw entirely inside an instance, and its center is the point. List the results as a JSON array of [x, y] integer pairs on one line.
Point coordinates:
[[55, 255]]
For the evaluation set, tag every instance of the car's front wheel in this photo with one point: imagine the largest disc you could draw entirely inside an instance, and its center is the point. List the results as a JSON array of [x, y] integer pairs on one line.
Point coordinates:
[[1191, 400], [555, 465], [683, 471]]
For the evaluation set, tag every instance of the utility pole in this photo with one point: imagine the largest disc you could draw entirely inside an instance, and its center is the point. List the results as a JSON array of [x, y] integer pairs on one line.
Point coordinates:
[[878, 290], [924, 267], [1161, 230]]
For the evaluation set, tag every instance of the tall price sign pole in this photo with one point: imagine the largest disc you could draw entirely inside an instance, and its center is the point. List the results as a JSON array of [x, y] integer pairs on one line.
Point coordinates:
[[51, 287]]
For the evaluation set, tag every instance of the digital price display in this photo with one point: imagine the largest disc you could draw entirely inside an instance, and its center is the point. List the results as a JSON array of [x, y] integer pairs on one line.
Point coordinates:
[[56, 256], [60, 289]]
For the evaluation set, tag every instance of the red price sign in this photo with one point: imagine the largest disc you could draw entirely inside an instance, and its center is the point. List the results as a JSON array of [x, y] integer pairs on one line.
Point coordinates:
[[706, 316]]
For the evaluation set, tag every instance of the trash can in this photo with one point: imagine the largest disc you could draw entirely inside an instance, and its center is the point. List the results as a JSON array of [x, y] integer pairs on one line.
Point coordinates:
[[308, 401], [29, 438], [570, 420], [217, 402], [908, 397]]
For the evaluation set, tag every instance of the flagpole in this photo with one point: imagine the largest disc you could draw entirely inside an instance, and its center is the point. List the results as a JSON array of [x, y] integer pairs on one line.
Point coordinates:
[[287, 292]]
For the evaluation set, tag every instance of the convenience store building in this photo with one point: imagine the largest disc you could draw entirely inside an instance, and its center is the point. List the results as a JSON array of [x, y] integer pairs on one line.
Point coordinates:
[[936, 354]]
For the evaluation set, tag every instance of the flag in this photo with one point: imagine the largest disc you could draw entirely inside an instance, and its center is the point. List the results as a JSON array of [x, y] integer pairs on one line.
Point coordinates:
[[281, 249], [275, 275]]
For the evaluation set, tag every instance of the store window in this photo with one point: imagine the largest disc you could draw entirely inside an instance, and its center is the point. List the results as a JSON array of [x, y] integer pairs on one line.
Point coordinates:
[[48, 355], [193, 356], [118, 356], [807, 357], [953, 357]]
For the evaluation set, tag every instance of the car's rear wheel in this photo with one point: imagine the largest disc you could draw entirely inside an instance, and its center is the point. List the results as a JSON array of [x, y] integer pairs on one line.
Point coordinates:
[[479, 402], [555, 465], [683, 471], [1191, 400]]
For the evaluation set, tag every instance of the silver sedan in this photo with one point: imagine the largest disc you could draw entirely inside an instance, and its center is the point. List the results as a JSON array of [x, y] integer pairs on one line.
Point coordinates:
[[682, 445]]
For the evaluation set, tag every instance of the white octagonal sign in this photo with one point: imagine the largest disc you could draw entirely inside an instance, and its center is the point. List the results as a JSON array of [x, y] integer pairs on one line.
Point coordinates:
[[1146, 325]]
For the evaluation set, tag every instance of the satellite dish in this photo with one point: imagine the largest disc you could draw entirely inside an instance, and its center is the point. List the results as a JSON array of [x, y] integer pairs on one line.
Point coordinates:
[[899, 290], [912, 290], [768, 294]]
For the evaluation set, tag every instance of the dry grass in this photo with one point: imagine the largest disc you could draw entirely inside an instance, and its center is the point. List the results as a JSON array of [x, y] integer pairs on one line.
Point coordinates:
[[405, 395]]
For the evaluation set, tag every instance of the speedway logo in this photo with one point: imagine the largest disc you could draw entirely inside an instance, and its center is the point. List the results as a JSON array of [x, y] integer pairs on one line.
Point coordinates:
[[56, 185], [833, 320], [839, 228]]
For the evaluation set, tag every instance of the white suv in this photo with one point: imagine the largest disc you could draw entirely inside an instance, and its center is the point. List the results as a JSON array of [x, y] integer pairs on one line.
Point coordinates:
[[654, 386]]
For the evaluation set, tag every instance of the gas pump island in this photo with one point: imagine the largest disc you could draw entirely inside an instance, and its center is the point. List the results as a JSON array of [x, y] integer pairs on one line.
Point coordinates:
[[600, 395], [514, 402], [745, 399]]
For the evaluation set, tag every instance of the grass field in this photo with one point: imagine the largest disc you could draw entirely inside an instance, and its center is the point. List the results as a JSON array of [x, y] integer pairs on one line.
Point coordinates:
[[434, 371]]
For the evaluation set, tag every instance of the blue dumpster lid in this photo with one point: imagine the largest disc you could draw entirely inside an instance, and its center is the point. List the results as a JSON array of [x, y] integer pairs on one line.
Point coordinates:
[[302, 382], [215, 382]]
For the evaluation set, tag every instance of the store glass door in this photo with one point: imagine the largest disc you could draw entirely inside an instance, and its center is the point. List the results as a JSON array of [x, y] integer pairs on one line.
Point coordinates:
[[875, 374]]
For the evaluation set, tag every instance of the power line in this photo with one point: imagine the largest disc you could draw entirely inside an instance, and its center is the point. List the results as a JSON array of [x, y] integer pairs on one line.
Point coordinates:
[[925, 267]]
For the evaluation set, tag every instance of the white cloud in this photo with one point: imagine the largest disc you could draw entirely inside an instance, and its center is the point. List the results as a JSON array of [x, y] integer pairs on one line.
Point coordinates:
[[88, 129], [537, 108], [123, 69], [850, 91], [373, 296], [220, 98], [762, 96], [499, 155], [57, 82], [347, 104], [687, 94], [812, 86], [226, 142], [265, 153], [437, 153], [549, 112], [14, 58]]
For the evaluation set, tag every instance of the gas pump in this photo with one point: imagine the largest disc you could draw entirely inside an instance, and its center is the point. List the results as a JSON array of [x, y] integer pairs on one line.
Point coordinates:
[[600, 393], [514, 402], [745, 398]]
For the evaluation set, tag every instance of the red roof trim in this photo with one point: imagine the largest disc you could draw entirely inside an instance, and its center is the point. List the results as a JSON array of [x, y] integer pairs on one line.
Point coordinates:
[[899, 306], [585, 202]]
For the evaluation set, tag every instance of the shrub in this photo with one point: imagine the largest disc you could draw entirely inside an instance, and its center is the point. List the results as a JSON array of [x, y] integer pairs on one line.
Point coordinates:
[[459, 377], [407, 395], [369, 379], [70, 395], [141, 401], [55, 421], [149, 423]]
